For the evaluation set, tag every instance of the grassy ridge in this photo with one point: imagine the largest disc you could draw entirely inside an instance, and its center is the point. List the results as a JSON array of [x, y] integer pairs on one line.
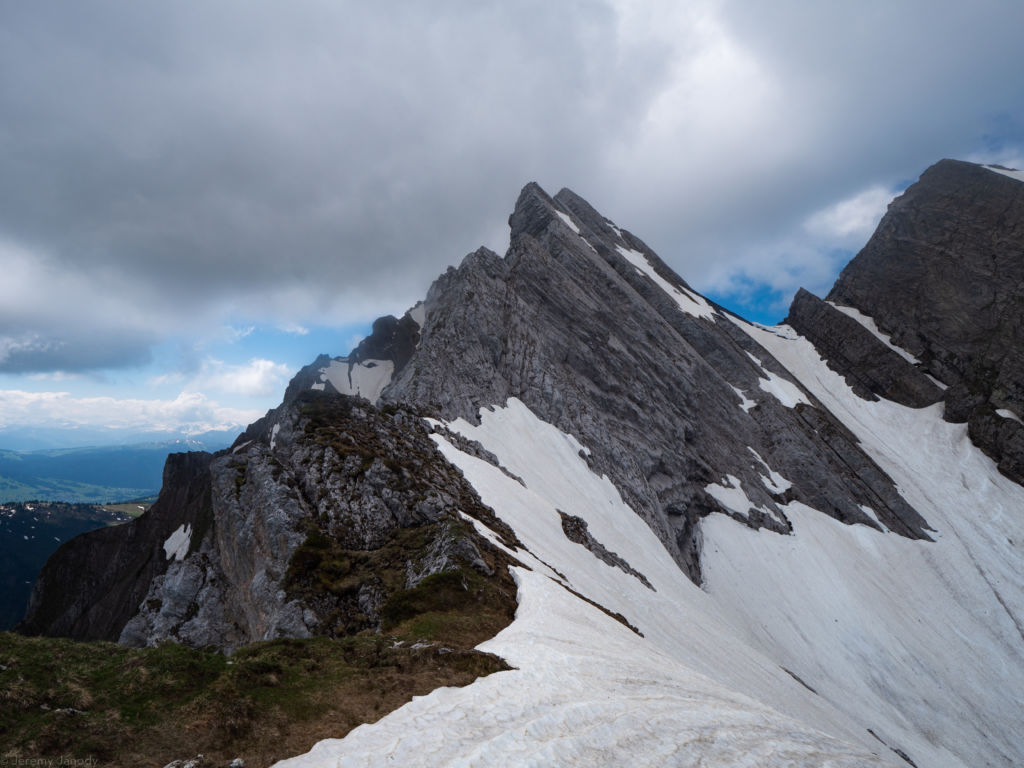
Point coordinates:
[[142, 707]]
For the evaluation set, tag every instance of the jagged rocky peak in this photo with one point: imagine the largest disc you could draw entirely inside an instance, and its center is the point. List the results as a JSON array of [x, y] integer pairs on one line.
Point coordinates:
[[679, 406], [940, 284]]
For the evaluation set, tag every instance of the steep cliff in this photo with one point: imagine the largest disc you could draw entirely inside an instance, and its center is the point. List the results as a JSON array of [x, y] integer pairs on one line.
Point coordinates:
[[943, 275], [96, 582], [584, 324]]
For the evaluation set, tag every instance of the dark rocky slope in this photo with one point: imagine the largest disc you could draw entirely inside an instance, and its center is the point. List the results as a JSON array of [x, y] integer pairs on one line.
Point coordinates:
[[93, 584], [944, 276]]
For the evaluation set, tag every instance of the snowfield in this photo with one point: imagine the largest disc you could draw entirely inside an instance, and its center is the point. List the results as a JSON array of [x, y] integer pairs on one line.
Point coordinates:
[[587, 690], [366, 379], [922, 642], [835, 646]]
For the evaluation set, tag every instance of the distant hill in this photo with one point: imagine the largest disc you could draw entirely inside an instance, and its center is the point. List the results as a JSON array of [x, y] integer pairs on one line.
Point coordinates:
[[93, 475], [30, 533], [23, 438]]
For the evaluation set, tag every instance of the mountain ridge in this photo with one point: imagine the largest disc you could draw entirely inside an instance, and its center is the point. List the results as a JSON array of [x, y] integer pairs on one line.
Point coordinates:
[[579, 379]]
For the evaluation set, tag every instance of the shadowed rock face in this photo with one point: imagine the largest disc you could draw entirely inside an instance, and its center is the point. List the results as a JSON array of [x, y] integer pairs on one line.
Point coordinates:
[[368, 488], [869, 366], [94, 583], [944, 275]]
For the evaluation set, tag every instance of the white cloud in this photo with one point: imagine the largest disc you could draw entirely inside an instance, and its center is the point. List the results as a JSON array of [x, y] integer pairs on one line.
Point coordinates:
[[234, 334], [190, 412], [256, 378], [855, 217], [809, 257], [321, 163]]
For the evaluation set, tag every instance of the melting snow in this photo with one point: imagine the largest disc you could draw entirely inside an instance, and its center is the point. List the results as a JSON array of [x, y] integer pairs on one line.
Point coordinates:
[[571, 224], [586, 690], [919, 641], [177, 543], [1013, 174], [732, 496], [1006, 413], [366, 379], [774, 482], [869, 324], [273, 435], [745, 402], [784, 391], [923, 642], [691, 304]]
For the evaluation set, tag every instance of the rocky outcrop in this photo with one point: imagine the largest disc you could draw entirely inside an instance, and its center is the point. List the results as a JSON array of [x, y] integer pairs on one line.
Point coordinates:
[[333, 513], [312, 523], [93, 584], [870, 367], [944, 275]]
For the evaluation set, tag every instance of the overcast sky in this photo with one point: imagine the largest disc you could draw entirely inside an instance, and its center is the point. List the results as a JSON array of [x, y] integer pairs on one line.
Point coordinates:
[[197, 197]]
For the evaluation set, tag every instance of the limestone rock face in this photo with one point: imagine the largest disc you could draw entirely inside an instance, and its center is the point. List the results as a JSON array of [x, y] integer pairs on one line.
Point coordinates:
[[944, 276], [595, 334], [94, 583]]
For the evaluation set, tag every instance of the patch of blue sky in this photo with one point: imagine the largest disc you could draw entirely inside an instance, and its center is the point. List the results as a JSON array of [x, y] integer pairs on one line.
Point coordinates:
[[767, 303], [758, 303]]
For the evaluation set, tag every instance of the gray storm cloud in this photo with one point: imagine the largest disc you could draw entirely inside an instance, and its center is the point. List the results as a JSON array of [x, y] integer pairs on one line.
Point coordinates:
[[321, 161]]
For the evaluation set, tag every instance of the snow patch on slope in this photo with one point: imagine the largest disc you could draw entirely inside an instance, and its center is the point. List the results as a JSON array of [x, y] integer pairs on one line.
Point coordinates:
[[1013, 174], [1006, 413], [569, 222], [745, 402], [773, 481], [732, 496], [786, 392], [872, 328], [690, 303], [177, 544], [366, 379]]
